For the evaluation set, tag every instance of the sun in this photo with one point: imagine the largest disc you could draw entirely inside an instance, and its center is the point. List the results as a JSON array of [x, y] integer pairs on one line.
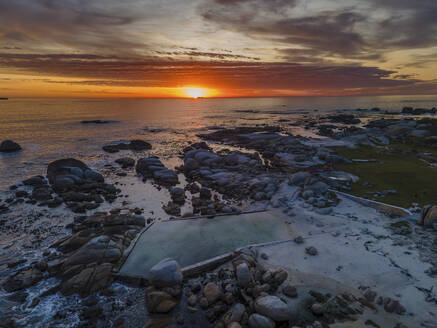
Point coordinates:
[[194, 92]]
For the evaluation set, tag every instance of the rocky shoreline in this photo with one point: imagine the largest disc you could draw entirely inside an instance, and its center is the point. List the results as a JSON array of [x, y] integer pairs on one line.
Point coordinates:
[[225, 171]]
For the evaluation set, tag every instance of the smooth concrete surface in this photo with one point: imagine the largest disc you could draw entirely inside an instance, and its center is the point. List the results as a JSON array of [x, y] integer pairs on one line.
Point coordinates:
[[195, 240]]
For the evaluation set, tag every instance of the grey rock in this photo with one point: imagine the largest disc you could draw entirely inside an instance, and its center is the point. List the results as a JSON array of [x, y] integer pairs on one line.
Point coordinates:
[[234, 314], [272, 307], [299, 178], [125, 162], [244, 276], [258, 321], [166, 273], [311, 251]]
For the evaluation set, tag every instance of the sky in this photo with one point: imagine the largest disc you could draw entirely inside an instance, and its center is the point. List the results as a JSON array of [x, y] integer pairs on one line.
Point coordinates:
[[217, 48]]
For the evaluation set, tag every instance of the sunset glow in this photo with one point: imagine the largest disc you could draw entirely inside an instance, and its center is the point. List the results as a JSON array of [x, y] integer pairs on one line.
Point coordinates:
[[282, 48], [193, 92]]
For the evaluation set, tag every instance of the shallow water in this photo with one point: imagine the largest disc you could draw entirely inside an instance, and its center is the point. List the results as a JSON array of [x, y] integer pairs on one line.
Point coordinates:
[[49, 129]]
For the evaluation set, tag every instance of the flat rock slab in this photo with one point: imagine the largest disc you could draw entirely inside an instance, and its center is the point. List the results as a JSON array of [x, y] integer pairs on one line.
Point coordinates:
[[195, 240]]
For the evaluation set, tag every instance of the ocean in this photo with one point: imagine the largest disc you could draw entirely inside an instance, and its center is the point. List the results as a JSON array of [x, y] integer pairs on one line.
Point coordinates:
[[50, 129]]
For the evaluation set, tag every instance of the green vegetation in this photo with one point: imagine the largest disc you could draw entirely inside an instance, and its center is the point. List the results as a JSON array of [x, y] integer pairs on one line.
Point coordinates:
[[412, 178]]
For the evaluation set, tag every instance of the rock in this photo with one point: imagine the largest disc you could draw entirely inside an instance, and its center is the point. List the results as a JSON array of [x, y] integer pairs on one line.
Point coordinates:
[[135, 145], [212, 292], [344, 119], [298, 240], [299, 178], [311, 251], [203, 302], [272, 307], [235, 314], [92, 278], [428, 216], [42, 193], [192, 300], [244, 276], [391, 306], [318, 187], [166, 273], [172, 209], [317, 309], [370, 295], [166, 322], [279, 277], [190, 165], [98, 122], [178, 195], [159, 302], [205, 193], [22, 279], [35, 181], [259, 321], [290, 291], [9, 146], [93, 175], [69, 167], [125, 162], [420, 133]]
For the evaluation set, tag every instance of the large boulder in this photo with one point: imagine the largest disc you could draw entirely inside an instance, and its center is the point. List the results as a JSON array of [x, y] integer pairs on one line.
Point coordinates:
[[67, 166], [272, 307], [135, 145], [166, 273], [244, 277], [428, 216], [64, 174], [8, 146], [100, 249], [152, 167], [92, 278], [212, 292], [22, 279], [159, 302], [258, 321]]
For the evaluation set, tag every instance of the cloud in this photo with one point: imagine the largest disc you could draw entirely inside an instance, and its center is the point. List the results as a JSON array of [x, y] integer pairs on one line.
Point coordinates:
[[361, 30], [226, 75]]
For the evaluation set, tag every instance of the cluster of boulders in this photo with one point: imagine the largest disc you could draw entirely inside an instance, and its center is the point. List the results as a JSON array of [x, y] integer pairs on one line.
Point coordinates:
[[390, 305], [84, 260], [247, 293], [9, 146], [344, 119], [153, 168], [203, 201], [418, 111], [234, 174], [280, 152], [134, 145], [69, 181]]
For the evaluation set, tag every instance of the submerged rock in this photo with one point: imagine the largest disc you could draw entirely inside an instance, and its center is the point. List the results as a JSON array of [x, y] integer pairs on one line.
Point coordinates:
[[9, 146], [135, 145]]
